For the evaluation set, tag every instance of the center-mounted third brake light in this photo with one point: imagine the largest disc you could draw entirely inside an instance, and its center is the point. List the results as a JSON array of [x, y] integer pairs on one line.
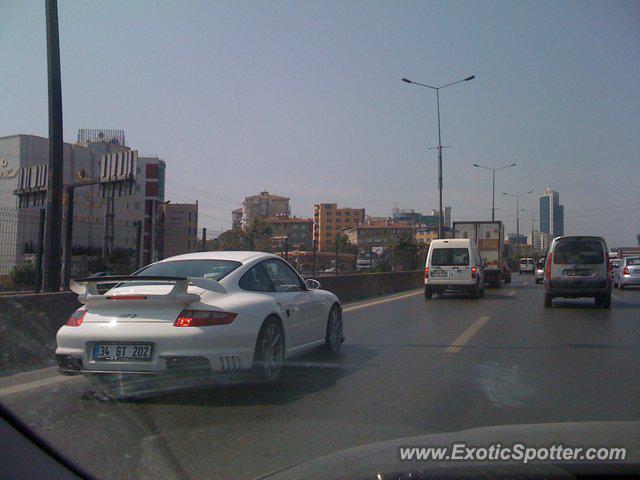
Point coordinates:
[[204, 318]]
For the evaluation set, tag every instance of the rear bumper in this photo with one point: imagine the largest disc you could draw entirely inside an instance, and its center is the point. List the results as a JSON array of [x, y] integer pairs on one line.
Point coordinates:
[[450, 287], [626, 280], [211, 349], [577, 288]]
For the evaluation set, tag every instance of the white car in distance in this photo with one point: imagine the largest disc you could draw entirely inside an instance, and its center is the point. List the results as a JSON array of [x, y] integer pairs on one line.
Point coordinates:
[[210, 312]]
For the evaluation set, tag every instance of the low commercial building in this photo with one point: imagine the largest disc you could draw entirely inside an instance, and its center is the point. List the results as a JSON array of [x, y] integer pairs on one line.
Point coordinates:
[[367, 235], [177, 230], [123, 188]]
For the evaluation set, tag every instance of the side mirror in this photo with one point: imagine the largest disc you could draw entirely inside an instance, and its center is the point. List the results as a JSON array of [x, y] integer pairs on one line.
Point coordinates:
[[312, 283]]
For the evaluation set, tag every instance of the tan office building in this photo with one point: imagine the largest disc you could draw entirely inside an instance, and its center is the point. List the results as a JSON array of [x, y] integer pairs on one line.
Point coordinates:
[[329, 220]]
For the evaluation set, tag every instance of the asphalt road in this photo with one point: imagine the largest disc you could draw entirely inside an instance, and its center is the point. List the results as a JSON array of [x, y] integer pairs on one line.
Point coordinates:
[[409, 366]]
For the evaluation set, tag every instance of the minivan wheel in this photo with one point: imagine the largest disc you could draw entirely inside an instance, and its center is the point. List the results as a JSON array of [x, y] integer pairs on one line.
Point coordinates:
[[548, 300], [428, 294], [621, 286], [603, 301]]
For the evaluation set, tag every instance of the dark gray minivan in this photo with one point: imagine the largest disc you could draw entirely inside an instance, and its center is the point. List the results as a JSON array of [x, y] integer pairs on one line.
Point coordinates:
[[578, 266]]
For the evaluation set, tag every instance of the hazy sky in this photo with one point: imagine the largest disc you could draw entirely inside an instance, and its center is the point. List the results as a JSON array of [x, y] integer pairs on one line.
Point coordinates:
[[304, 99]]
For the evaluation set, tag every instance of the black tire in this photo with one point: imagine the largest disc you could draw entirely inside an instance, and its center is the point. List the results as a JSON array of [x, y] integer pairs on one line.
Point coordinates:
[[548, 300], [482, 292], [428, 294], [267, 366], [476, 293], [334, 334], [621, 286], [603, 301]]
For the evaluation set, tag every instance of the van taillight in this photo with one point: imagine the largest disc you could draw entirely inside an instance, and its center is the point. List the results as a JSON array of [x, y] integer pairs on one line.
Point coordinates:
[[547, 271], [76, 318], [426, 272], [626, 271], [474, 272], [203, 318]]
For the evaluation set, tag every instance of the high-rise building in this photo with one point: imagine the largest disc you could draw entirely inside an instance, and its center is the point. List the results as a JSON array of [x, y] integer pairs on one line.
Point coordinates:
[[329, 220], [177, 230], [551, 213], [264, 205]]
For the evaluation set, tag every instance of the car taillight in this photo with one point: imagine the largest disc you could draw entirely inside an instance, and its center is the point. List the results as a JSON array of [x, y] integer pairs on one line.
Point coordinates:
[[626, 271], [203, 318], [474, 272], [547, 271], [76, 318], [426, 272]]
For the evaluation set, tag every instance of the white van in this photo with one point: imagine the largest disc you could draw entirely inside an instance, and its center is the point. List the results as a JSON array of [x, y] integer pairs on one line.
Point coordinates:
[[453, 265], [527, 265]]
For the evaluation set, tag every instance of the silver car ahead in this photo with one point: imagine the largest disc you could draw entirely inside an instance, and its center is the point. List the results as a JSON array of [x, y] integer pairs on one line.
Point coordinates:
[[578, 266], [627, 273]]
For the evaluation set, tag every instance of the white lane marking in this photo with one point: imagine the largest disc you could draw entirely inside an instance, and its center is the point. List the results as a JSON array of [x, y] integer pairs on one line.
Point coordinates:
[[462, 340], [511, 293], [45, 382], [378, 302]]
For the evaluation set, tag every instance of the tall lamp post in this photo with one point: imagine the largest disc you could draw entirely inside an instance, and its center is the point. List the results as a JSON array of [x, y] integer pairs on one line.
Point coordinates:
[[493, 183], [437, 89], [517, 197]]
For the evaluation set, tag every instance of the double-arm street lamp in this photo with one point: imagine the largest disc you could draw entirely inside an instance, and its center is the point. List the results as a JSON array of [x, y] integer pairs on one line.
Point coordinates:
[[517, 197], [493, 190], [437, 89]]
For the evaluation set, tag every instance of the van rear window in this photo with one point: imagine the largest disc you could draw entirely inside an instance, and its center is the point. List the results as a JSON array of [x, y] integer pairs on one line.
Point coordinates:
[[455, 257], [578, 251]]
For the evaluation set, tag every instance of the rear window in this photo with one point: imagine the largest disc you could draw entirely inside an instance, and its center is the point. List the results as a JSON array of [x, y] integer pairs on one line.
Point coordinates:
[[456, 257], [578, 251], [633, 262], [214, 269]]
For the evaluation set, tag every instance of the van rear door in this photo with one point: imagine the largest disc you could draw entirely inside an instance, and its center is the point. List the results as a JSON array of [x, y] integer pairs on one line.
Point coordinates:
[[450, 263]]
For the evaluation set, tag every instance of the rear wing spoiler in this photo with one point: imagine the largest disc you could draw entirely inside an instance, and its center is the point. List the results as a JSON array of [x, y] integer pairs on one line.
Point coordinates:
[[87, 288]]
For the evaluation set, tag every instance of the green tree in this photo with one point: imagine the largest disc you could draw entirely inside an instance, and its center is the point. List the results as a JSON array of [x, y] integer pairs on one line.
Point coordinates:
[[233, 239], [259, 235]]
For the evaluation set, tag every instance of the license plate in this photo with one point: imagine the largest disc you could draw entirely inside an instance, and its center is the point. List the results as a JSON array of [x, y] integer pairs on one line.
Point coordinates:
[[116, 351], [439, 274], [578, 273]]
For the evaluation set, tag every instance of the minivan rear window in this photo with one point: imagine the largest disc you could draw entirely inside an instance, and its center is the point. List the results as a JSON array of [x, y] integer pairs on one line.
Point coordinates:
[[578, 251], [455, 257]]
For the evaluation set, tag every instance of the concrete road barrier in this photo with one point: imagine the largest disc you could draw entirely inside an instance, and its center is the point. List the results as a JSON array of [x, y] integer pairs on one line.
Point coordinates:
[[29, 322]]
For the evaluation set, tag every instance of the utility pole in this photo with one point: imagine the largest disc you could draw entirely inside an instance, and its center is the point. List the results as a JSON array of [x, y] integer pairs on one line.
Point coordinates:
[[315, 249], [204, 239], [138, 225], [517, 197], [40, 250], [53, 224], [68, 237]]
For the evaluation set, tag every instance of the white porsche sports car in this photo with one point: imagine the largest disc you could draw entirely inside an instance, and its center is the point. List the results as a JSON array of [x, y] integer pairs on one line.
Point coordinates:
[[208, 312]]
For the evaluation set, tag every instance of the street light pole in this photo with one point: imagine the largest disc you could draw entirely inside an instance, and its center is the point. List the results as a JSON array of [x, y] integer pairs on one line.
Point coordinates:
[[493, 184], [437, 89], [517, 197]]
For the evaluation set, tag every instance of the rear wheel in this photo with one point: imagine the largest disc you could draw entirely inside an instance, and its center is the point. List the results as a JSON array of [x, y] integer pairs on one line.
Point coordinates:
[[603, 301], [428, 294], [621, 286], [476, 293], [269, 354], [333, 338], [548, 300]]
